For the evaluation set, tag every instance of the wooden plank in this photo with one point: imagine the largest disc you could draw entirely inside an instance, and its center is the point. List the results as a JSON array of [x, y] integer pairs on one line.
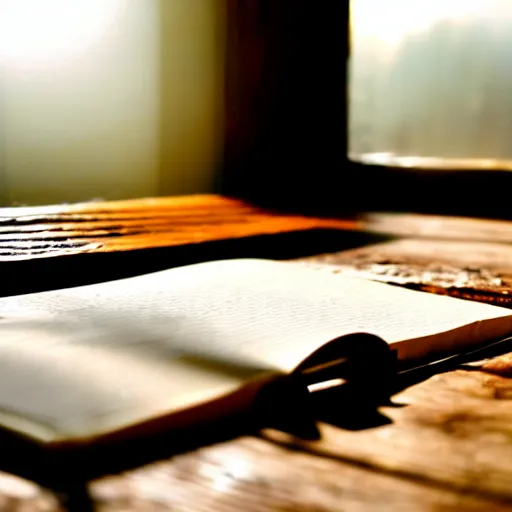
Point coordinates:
[[120, 226], [253, 475], [452, 431], [474, 270], [134, 206], [438, 226]]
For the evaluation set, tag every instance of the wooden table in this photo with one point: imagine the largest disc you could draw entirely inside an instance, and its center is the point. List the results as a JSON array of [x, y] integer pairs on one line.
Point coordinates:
[[447, 442]]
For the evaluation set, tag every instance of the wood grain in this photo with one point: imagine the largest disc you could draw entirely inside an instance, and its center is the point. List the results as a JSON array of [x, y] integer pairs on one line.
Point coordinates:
[[255, 475], [439, 227], [445, 444], [466, 269], [105, 227], [453, 431], [35, 232], [261, 476]]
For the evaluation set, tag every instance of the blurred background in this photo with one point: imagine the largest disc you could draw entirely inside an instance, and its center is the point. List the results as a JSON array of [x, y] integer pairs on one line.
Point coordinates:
[[109, 99], [112, 99], [430, 83]]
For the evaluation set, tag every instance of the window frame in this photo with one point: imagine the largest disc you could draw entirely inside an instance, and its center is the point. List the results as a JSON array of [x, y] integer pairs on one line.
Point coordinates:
[[285, 138]]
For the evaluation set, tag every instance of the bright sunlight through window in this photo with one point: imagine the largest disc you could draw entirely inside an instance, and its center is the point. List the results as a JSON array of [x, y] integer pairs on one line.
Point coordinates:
[[389, 21], [40, 33]]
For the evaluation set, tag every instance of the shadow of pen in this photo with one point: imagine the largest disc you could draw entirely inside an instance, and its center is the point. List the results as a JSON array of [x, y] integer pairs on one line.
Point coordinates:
[[347, 406]]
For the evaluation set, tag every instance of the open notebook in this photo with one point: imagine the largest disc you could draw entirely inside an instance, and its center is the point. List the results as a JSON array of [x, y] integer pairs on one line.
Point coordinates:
[[94, 365]]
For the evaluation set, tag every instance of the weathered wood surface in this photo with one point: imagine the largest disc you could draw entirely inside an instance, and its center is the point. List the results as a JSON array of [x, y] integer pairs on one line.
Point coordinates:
[[35, 232], [467, 269], [447, 443], [95, 242], [449, 448], [256, 476], [439, 227], [60, 230]]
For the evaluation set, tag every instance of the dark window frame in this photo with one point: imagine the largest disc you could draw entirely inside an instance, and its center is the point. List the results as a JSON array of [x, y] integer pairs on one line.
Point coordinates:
[[286, 123]]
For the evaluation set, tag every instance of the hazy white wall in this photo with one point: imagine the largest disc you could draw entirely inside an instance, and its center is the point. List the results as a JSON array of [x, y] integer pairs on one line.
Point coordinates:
[[133, 111], [191, 86]]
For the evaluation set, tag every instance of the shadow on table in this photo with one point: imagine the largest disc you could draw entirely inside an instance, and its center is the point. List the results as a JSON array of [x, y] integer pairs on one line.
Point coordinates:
[[295, 413], [349, 409]]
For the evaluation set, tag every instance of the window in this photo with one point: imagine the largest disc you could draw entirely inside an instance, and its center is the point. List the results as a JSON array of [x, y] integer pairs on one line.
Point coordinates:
[[295, 153], [430, 83]]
